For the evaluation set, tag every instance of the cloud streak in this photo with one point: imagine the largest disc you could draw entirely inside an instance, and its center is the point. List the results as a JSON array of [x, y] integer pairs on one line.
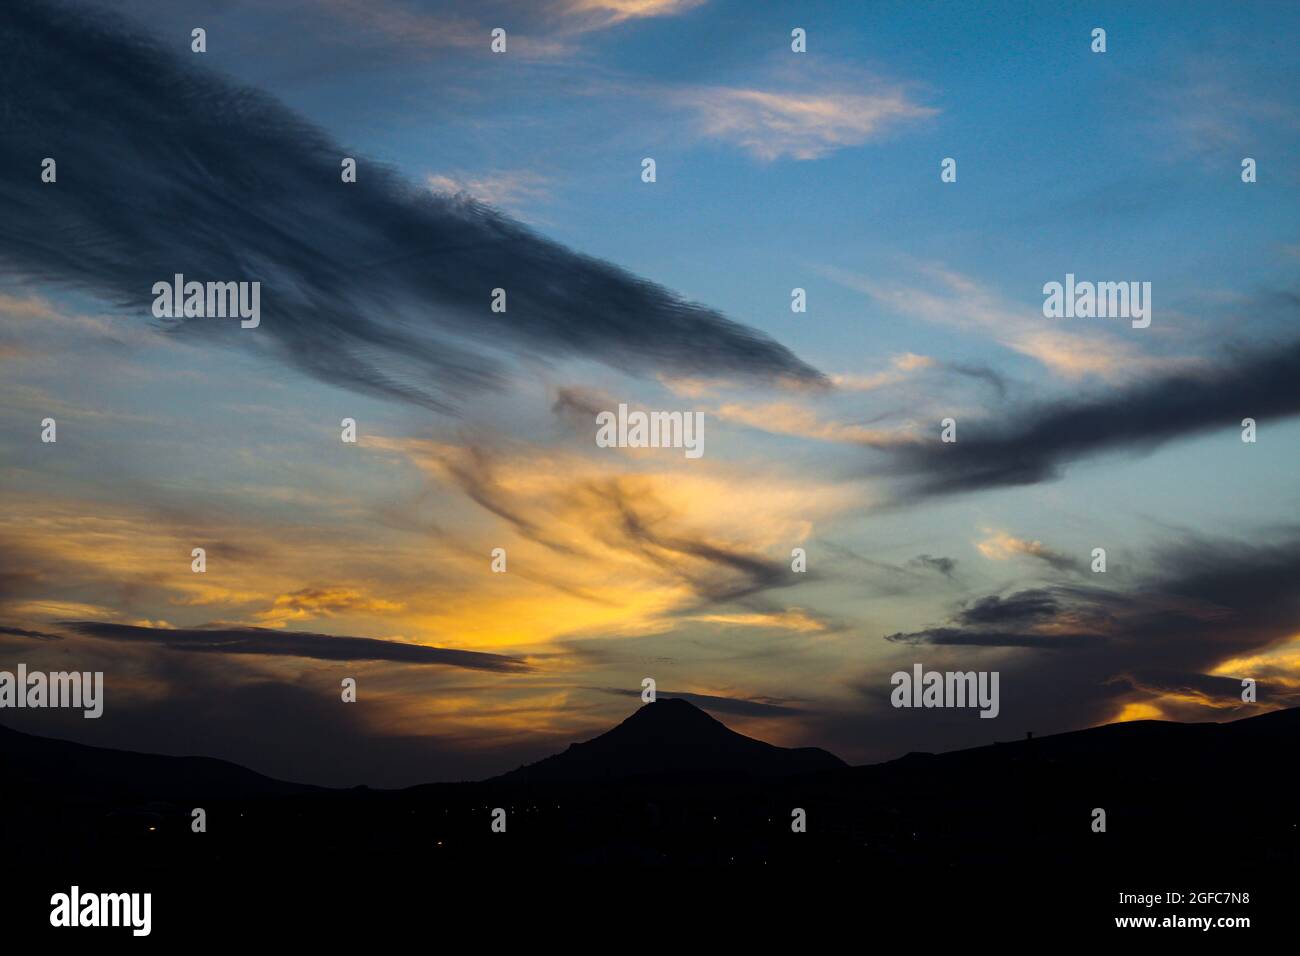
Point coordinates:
[[24, 632], [378, 286], [323, 647], [1035, 445]]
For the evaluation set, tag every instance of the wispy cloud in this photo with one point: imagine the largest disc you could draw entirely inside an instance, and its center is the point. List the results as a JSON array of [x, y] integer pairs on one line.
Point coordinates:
[[791, 619], [789, 418], [901, 367], [308, 603], [398, 24], [540, 30], [512, 190], [600, 14], [374, 285], [1000, 546], [798, 125], [948, 298], [1217, 111]]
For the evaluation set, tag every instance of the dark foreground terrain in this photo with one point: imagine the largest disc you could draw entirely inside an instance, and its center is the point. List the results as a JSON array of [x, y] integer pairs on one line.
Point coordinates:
[[1189, 807]]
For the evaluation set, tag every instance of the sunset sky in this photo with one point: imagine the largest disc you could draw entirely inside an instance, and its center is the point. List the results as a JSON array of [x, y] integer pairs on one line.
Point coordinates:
[[522, 170]]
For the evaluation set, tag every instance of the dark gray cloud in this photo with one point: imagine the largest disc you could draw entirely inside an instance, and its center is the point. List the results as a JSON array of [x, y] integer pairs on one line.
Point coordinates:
[[24, 632], [1033, 445], [325, 647], [377, 286], [981, 373], [581, 404], [1024, 606], [1059, 561], [1010, 621], [960, 637], [944, 566], [1071, 656]]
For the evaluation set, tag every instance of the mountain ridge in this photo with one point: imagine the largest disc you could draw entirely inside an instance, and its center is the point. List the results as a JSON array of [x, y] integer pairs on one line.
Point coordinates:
[[53, 762], [671, 736]]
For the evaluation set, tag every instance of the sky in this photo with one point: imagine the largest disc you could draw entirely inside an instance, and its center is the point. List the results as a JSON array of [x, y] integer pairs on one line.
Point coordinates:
[[775, 170]]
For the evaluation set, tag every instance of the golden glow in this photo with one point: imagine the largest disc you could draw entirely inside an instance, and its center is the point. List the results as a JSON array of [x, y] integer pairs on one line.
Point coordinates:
[[1139, 711]]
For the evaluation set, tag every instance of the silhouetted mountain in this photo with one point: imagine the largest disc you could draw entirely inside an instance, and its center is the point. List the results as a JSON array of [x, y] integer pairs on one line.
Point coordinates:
[[671, 785], [73, 770], [1149, 743], [671, 736], [1186, 806]]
